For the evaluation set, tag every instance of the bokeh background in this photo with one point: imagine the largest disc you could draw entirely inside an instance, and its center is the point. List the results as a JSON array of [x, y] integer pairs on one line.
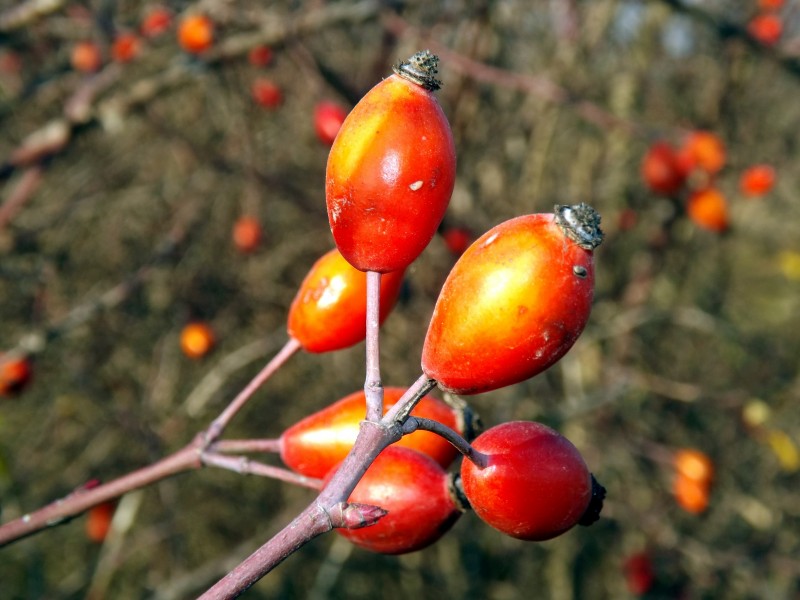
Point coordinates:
[[118, 233]]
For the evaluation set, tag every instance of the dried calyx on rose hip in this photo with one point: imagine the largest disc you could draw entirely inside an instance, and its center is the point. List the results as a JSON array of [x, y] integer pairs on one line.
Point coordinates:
[[391, 170], [515, 302], [532, 483], [317, 443], [329, 311], [419, 496]]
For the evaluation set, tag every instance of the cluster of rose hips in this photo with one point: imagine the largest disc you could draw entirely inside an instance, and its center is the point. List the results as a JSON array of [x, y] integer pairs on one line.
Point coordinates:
[[693, 168], [513, 305]]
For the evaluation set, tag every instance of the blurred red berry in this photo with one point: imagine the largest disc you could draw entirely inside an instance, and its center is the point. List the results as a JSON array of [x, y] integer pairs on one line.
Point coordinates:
[[661, 171], [247, 234], [197, 339], [157, 21], [639, 573], [196, 33], [767, 28], [708, 208], [260, 56], [15, 374], [98, 521], [328, 119], [704, 150], [266, 93], [757, 180], [457, 239], [125, 47], [770, 4], [86, 57]]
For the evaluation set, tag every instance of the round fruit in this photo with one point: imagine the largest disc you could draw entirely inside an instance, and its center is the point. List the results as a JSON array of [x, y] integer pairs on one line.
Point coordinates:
[[694, 464], [314, 445], [515, 302], [708, 208], [415, 491], [157, 21], [391, 170], [767, 28], [98, 521], [86, 57], [15, 374], [691, 495], [704, 150], [328, 119], [661, 170], [266, 93], [757, 180], [197, 339], [457, 239], [260, 56], [125, 47], [329, 311], [247, 234], [535, 484], [196, 33]]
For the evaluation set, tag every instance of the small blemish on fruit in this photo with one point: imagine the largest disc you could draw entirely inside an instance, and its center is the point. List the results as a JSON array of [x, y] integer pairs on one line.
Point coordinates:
[[521, 310], [415, 186], [580, 271]]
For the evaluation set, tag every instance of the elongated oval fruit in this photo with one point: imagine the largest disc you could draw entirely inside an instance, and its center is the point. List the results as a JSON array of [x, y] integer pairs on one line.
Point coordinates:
[[416, 492], [317, 443], [515, 302], [535, 484], [329, 311], [391, 170]]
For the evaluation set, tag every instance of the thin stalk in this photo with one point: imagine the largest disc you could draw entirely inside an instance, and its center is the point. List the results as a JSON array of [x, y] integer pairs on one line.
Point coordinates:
[[221, 422], [64, 509], [413, 424], [247, 466], [373, 386], [245, 446]]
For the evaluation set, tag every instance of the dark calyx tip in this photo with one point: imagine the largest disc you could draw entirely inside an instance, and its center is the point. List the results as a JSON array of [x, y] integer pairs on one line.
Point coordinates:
[[420, 69], [595, 504], [580, 223]]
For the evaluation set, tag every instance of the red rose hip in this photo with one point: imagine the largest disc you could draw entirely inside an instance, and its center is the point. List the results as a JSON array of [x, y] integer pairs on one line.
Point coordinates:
[[391, 170], [535, 484]]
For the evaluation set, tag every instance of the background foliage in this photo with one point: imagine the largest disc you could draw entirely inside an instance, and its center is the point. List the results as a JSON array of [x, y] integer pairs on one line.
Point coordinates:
[[692, 343]]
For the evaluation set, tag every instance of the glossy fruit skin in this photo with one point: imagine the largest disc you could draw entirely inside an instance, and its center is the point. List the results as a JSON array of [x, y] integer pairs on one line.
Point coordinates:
[[661, 170], [317, 443], [247, 234], [390, 175], [329, 311], [536, 485], [196, 33], [757, 180], [414, 489], [513, 304], [197, 339], [328, 119], [708, 209], [15, 375]]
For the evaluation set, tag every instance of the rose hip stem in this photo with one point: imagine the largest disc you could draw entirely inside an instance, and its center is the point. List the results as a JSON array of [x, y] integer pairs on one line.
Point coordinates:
[[218, 425], [373, 387]]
